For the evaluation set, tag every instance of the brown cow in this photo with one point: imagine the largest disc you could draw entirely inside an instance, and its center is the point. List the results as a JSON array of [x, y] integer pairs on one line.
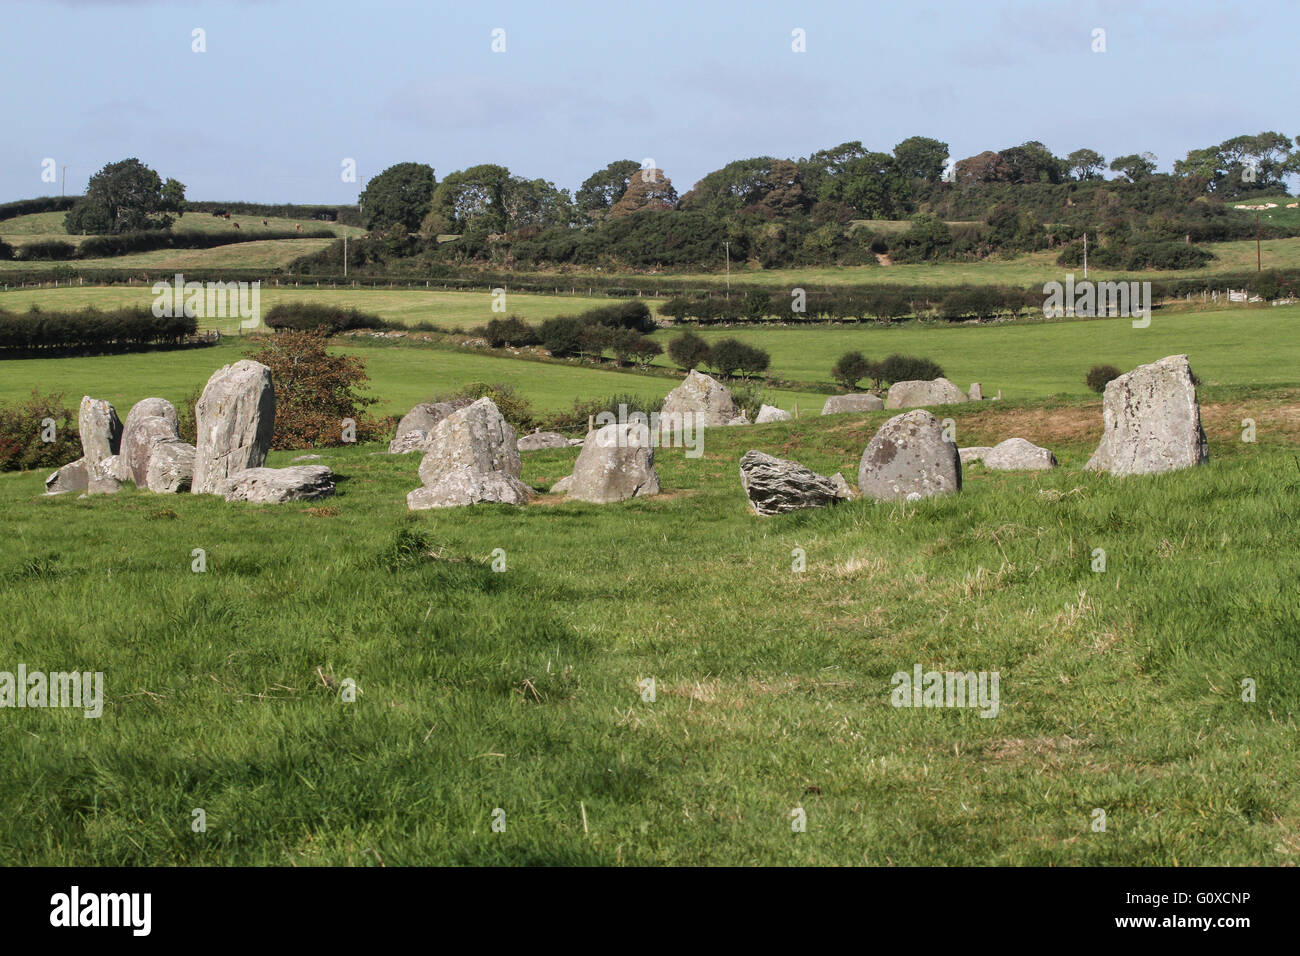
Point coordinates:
[[236, 225]]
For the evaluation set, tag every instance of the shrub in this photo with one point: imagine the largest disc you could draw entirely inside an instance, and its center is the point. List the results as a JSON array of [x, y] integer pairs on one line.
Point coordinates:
[[315, 391], [851, 368], [6, 250], [55, 250], [628, 344], [689, 351], [731, 356], [748, 398], [585, 409], [561, 336], [624, 315], [510, 331], [1099, 375], [25, 425], [906, 368], [308, 316], [36, 332]]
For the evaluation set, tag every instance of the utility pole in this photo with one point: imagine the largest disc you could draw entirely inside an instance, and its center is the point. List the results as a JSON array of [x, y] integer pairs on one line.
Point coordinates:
[[1085, 255], [65, 180], [1259, 258], [727, 247], [345, 255]]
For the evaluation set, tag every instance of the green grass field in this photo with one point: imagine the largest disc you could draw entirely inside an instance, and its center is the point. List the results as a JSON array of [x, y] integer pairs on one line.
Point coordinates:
[[447, 309], [520, 691], [400, 376], [1030, 269], [1236, 345]]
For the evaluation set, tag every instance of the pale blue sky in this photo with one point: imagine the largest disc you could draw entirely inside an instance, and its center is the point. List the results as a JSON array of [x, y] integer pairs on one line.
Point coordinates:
[[287, 90]]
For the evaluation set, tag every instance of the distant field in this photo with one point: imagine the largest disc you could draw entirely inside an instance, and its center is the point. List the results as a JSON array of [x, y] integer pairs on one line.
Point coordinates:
[[445, 308], [1235, 346], [49, 225], [400, 376], [268, 254], [1027, 270]]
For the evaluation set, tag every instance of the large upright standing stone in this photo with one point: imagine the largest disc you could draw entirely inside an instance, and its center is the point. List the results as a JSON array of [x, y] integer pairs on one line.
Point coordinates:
[[413, 430], [617, 462], [236, 418], [137, 437], [473, 456], [705, 399], [1153, 421], [101, 431], [909, 459]]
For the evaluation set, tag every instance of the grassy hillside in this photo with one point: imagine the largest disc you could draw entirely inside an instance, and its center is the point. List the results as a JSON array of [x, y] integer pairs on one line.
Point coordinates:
[[520, 690], [49, 225]]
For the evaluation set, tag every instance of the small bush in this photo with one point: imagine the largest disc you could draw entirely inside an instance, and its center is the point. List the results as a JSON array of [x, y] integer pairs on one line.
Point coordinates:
[[689, 351], [562, 335], [315, 391], [851, 368], [1099, 375], [510, 331], [907, 368], [732, 357], [25, 425]]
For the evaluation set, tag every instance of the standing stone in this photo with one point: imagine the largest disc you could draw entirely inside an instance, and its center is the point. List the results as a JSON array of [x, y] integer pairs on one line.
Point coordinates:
[[276, 485], [770, 413], [920, 393], [458, 488], [74, 476], [1017, 454], [856, 402], [707, 400], [976, 393], [473, 456], [973, 453], [101, 431], [1152, 421], [477, 438], [134, 445], [413, 430], [236, 419], [775, 485], [139, 443], [909, 459], [170, 468], [539, 440], [103, 477], [617, 462]]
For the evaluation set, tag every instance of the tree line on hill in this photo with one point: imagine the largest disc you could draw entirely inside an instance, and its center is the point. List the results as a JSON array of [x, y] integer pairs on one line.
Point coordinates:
[[823, 208]]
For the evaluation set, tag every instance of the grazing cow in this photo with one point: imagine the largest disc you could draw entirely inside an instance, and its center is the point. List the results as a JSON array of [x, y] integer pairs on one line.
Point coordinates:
[[236, 225], [298, 226], [264, 222], [226, 215]]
